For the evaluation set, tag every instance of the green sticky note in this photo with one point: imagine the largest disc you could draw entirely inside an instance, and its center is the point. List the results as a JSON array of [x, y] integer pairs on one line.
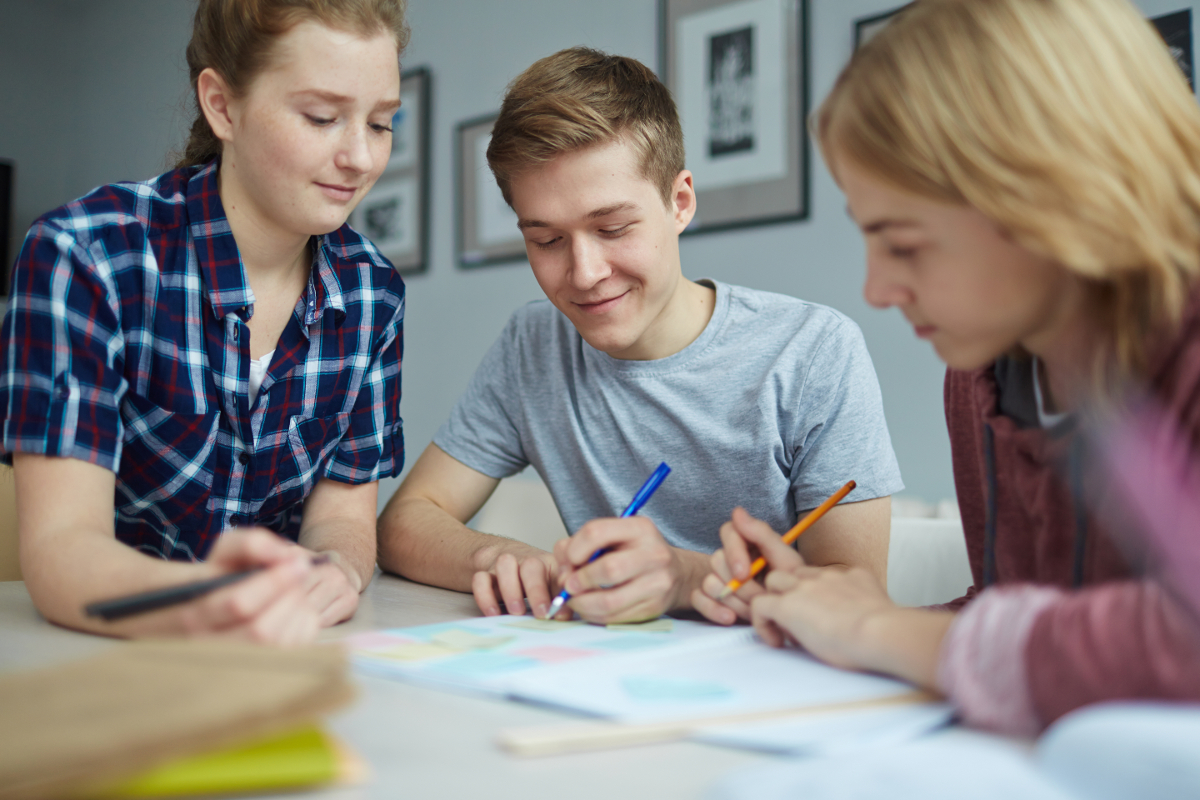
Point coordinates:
[[543, 625], [660, 625], [459, 639]]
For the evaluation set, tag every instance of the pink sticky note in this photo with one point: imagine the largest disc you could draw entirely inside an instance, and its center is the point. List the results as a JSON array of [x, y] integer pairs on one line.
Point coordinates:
[[374, 640], [549, 654]]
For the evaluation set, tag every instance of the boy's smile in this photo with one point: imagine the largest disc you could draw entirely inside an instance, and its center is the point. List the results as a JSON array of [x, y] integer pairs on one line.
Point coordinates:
[[605, 249]]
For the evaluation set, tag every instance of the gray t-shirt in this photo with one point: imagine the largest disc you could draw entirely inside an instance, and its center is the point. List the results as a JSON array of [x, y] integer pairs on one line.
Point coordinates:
[[773, 407]]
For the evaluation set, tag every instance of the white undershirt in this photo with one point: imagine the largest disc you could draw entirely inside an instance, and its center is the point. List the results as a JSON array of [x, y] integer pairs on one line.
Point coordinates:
[[1045, 418], [258, 371]]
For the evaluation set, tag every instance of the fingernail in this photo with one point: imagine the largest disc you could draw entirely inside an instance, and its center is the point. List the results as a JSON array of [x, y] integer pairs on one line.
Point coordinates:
[[492, 612], [541, 610]]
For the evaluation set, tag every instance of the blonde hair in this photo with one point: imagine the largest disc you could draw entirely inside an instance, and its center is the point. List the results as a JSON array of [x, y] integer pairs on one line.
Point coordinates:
[[236, 37], [1066, 122], [580, 98]]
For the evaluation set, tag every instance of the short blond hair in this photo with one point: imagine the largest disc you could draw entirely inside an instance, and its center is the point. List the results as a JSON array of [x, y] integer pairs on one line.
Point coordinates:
[[580, 98], [1066, 122]]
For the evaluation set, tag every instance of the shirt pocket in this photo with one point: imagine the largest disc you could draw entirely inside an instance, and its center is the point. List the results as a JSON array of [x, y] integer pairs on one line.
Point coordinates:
[[311, 442], [166, 467]]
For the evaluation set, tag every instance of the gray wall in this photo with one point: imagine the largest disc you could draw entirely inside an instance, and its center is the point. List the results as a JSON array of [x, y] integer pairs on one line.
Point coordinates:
[[94, 91]]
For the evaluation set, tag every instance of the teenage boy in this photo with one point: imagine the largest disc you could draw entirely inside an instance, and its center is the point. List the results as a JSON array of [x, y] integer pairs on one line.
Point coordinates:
[[754, 399]]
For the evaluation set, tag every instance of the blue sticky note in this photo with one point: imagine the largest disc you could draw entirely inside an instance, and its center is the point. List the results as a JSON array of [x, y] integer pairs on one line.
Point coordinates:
[[425, 631], [654, 688], [484, 664], [633, 641]]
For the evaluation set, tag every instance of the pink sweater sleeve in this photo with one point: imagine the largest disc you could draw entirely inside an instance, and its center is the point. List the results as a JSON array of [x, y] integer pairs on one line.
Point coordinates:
[[1120, 640], [981, 667], [1021, 656]]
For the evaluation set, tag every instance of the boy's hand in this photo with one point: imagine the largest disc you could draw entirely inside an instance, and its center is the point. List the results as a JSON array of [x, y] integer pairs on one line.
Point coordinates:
[[514, 576], [640, 577], [744, 538]]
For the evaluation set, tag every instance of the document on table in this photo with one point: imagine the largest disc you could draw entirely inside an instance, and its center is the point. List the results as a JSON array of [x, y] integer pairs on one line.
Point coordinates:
[[667, 670]]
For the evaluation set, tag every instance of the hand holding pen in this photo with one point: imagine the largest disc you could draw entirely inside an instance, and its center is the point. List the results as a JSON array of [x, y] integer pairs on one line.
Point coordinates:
[[627, 558]]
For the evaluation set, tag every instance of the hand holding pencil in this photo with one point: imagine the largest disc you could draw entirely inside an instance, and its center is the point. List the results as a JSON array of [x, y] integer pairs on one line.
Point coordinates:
[[719, 597]]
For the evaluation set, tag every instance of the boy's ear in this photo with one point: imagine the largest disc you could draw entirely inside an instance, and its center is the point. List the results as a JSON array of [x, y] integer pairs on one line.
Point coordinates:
[[215, 100], [683, 200]]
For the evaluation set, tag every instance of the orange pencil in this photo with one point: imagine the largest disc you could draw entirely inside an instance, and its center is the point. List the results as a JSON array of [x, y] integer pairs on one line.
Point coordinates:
[[791, 535]]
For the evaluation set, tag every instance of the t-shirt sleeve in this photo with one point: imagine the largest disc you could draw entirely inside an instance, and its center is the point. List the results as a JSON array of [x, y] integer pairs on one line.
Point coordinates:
[[61, 350], [483, 430], [373, 445], [842, 434]]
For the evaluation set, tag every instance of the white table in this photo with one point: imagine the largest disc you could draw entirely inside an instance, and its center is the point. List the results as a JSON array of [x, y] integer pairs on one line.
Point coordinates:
[[422, 743]]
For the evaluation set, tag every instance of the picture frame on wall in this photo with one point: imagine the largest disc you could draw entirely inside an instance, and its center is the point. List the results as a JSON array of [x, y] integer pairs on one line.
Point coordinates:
[[866, 27], [739, 72], [1176, 30], [487, 226], [395, 213]]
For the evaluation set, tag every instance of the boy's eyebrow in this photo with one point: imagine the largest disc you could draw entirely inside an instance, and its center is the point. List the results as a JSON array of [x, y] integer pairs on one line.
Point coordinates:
[[596, 214], [341, 99], [613, 209]]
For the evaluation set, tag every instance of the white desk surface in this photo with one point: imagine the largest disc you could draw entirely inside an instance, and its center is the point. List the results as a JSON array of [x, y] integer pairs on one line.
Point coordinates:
[[422, 743]]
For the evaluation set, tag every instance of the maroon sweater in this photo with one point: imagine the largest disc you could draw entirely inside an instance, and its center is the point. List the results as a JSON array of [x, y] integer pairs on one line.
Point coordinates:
[[1117, 635]]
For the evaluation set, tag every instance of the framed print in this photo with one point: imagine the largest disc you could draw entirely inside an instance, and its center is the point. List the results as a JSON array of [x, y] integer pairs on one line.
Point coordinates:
[[1176, 31], [487, 227], [739, 73], [866, 28], [395, 213]]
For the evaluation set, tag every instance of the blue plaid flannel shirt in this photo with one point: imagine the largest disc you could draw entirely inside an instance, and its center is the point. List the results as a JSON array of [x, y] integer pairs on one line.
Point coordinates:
[[125, 345]]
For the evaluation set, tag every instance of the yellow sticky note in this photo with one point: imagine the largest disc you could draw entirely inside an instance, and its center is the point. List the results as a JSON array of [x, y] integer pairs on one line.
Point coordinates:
[[458, 639], [418, 651], [660, 625]]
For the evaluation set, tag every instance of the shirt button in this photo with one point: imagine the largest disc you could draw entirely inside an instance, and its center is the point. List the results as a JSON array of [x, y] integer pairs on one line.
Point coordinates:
[[235, 519], [243, 459], [235, 333]]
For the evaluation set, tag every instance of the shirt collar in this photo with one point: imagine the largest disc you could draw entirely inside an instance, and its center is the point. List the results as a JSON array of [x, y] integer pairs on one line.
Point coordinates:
[[212, 239], [221, 265]]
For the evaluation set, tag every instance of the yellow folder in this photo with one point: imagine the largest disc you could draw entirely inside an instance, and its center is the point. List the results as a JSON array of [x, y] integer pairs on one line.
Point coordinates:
[[302, 758]]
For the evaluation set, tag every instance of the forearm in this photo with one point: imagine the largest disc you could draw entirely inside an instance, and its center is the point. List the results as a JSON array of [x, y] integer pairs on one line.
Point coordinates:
[[349, 542], [905, 642], [63, 573], [420, 541]]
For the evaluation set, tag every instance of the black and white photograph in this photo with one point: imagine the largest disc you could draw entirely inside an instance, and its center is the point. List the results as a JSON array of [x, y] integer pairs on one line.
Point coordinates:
[[739, 73], [395, 214], [487, 226], [389, 215], [1176, 31]]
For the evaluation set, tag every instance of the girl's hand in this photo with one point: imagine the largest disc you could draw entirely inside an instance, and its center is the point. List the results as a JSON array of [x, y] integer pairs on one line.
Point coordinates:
[[827, 611], [270, 606], [743, 538]]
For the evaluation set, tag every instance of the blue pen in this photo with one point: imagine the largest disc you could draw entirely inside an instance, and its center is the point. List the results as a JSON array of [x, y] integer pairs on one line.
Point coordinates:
[[634, 506]]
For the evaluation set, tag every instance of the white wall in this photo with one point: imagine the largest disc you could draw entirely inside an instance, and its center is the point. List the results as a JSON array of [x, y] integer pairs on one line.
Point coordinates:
[[93, 91]]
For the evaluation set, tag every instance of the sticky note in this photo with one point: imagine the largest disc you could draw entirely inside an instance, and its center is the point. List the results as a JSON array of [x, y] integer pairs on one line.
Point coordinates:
[[657, 688], [551, 654], [417, 651], [459, 639], [627, 642], [374, 640], [484, 664], [543, 625], [660, 625]]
